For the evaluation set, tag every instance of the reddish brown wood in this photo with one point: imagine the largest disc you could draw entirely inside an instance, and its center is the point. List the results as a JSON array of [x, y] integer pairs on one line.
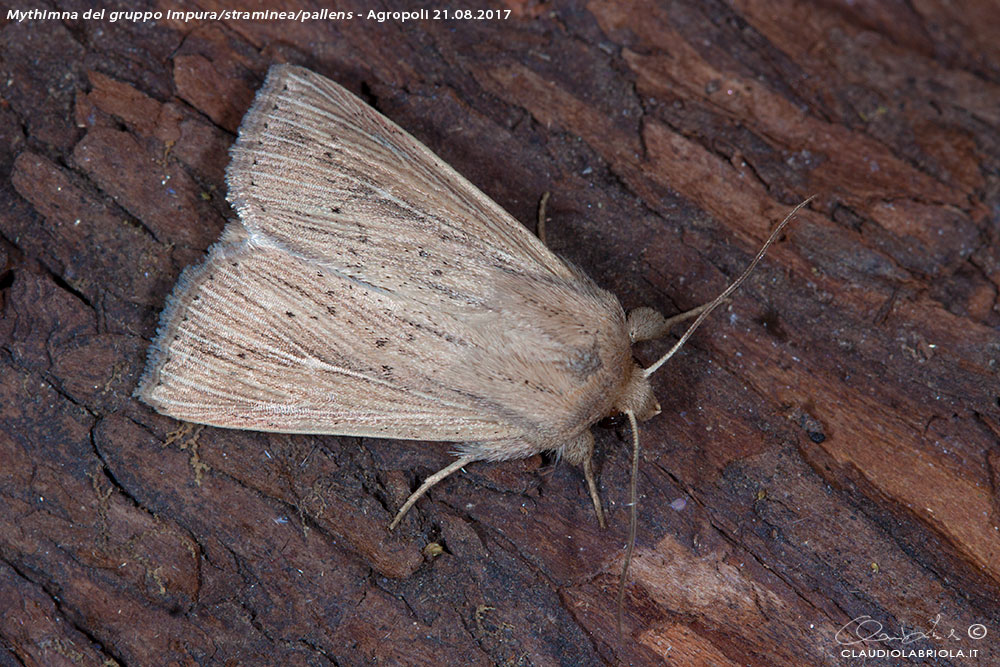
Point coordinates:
[[829, 448]]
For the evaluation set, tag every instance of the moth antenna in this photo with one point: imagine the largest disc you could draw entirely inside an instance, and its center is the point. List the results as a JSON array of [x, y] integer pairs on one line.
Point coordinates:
[[633, 518], [729, 290]]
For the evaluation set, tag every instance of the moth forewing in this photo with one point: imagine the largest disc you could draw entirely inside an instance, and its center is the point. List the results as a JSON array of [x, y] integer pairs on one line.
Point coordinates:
[[320, 171]]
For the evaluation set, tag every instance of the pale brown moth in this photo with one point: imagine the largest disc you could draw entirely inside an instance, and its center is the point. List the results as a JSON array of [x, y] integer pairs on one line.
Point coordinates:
[[368, 289]]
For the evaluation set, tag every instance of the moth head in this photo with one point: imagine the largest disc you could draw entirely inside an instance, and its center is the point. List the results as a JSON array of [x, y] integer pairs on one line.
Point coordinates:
[[637, 396]]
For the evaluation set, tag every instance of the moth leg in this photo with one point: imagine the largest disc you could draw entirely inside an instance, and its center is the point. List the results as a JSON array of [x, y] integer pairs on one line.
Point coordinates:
[[588, 474], [540, 229], [646, 323], [581, 452], [428, 483]]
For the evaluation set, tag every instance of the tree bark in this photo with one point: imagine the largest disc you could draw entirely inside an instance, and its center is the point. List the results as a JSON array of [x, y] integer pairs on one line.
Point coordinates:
[[828, 455]]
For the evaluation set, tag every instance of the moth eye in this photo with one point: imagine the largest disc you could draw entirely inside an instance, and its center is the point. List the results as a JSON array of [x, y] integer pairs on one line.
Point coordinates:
[[612, 421]]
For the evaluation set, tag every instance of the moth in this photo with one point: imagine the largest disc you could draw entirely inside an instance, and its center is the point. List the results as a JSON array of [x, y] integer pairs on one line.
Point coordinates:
[[368, 289]]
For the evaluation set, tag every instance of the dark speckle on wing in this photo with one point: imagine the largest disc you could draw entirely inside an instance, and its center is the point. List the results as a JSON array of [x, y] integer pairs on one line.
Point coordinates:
[[585, 362]]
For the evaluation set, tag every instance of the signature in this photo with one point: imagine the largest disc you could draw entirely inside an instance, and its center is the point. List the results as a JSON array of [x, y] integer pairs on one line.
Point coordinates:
[[866, 630]]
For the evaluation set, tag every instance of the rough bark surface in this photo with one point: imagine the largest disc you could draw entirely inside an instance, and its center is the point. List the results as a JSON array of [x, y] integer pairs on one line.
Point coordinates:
[[829, 448]]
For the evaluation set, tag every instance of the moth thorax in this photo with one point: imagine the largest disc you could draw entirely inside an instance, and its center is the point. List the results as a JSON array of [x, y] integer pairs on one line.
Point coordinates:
[[637, 396]]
